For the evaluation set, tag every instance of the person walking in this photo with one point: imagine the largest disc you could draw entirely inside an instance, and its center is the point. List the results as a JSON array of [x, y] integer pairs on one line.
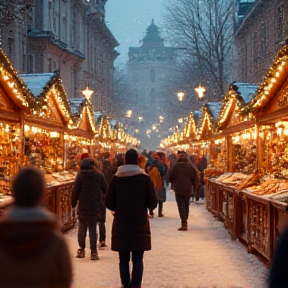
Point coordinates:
[[154, 174], [278, 274], [130, 194], [88, 191], [33, 251], [182, 178]]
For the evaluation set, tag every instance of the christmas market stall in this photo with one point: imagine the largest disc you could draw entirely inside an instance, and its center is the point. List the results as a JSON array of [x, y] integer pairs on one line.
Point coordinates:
[[267, 199], [83, 137], [44, 133], [201, 146], [15, 102], [234, 148]]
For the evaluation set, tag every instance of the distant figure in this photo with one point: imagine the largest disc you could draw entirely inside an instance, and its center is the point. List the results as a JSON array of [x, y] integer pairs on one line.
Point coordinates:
[[154, 174], [33, 252], [88, 191], [182, 178], [278, 277], [201, 165], [142, 160], [130, 194]]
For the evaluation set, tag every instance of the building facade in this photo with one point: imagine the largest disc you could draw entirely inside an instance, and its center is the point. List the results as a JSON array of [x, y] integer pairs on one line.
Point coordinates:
[[150, 71], [66, 35], [261, 28]]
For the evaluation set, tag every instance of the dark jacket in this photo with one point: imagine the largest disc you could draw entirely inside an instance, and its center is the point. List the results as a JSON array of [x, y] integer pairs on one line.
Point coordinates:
[[279, 268], [183, 176], [88, 190], [130, 194], [33, 252]]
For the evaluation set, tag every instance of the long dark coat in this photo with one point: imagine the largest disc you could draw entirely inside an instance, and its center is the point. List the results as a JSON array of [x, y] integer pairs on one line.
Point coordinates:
[[130, 197], [183, 176], [88, 190]]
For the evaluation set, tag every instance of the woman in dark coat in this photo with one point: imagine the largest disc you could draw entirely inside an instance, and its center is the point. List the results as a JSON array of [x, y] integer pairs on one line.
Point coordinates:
[[182, 177], [88, 190], [130, 194]]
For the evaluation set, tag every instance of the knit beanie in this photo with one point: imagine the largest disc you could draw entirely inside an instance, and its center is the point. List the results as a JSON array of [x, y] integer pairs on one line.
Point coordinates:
[[131, 157]]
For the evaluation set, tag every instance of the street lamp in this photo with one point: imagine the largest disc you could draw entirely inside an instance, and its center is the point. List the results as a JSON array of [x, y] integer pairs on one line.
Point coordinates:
[[200, 90], [180, 96], [129, 113], [87, 93]]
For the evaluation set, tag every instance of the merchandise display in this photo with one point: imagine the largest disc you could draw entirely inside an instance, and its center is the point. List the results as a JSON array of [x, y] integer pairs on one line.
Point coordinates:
[[44, 149], [244, 152], [218, 155], [9, 149]]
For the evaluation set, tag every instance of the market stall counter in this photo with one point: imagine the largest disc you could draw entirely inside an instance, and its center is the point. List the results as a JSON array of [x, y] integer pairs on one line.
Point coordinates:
[[58, 198], [227, 204]]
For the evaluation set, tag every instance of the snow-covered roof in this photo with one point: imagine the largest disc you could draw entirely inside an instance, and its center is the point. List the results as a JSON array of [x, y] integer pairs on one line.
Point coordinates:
[[98, 116], [246, 90], [113, 123], [36, 82], [214, 108], [76, 104]]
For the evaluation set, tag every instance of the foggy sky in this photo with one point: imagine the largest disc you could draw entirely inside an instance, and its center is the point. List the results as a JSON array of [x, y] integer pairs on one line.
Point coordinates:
[[128, 21]]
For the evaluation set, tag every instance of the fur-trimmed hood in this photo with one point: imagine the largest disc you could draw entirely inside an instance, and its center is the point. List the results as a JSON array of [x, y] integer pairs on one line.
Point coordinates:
[[129, 170]]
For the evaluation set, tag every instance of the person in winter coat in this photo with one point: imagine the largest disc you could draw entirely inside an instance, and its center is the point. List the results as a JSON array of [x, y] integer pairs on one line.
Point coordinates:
[[154, 174], [278, 275], [89, 189], [182, 178], [33, 251], [130, 194]]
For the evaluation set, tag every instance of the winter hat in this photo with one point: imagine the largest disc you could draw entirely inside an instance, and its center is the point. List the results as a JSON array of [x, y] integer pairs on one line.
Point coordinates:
[[131, 157], [84, 156]]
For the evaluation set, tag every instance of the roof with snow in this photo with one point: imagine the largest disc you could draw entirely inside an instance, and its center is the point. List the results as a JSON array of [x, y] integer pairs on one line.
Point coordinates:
[[214, 108], [37, 82], [246, 90]]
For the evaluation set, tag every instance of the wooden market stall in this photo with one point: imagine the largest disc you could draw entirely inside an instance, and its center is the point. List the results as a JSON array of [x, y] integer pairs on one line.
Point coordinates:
[[15, 103], [268, 200], [230, 143], [34, 117]]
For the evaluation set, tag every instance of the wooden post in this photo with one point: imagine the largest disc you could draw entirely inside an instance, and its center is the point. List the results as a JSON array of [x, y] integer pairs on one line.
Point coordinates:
[[21, 140]]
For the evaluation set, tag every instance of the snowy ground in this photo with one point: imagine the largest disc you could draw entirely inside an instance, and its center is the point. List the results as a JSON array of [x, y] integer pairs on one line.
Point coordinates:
[[204, 256]]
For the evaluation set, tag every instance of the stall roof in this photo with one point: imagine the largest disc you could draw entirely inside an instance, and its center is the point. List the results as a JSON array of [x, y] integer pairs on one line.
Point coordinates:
[[76, 105], [98, 117], [36, 82], [271, 84], [246, 90], [214, 108], [14, 86]]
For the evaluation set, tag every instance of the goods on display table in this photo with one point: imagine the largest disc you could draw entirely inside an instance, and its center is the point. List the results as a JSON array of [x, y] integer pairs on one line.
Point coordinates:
[[9, 149]]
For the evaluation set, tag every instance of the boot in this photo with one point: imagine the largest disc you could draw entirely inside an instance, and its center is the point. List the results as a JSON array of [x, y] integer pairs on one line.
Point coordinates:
[[80, 253], [160, 209], [183, 228]]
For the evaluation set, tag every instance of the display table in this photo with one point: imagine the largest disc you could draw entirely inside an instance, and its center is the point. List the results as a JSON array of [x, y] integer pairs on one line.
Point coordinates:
[[5, 202], [259, 225], [58, 201], [279, 213], [227, 204]]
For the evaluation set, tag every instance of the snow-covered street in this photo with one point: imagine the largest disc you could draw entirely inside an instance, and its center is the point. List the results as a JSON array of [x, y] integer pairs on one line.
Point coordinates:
[[204, 256]]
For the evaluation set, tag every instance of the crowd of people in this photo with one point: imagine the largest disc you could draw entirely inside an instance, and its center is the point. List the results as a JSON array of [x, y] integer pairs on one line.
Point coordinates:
[[33, 252]]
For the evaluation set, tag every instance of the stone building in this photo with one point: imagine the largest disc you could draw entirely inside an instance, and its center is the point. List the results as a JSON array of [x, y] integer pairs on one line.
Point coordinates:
[[66, 35], [261, 28], [150, 71]]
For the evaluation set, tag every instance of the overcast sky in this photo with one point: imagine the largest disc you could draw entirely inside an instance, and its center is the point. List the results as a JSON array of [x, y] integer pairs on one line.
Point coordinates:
[[128, 21]]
